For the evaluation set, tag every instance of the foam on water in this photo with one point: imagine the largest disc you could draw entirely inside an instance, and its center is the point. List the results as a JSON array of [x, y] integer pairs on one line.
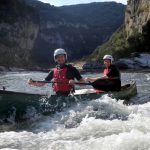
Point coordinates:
[[101, 124], [91, 133], [148, 76]]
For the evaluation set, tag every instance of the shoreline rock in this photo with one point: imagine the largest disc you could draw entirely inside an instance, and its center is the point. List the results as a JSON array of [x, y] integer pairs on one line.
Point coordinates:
[[135, 61], [2, 68], [142, 61]]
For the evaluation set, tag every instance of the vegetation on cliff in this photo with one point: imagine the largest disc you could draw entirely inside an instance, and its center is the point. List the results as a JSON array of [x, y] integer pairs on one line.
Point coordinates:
[[140, 42], [132, 36], [77, 28], [116, 46], [30, 30], [119, 46]]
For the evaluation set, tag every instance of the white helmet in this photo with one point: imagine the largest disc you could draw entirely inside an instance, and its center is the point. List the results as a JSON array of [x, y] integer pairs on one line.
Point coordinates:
[[108, 57], [59, 51]]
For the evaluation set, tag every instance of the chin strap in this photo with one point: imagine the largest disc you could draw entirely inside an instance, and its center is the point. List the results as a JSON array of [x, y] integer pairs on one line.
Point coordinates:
[[61, 65]]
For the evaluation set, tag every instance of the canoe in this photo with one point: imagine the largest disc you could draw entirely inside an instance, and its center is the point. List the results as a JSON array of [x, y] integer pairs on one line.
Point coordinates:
[[22, 106]]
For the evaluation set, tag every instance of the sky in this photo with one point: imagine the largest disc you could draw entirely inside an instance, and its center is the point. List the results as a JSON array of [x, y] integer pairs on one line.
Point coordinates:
[[71, 2]]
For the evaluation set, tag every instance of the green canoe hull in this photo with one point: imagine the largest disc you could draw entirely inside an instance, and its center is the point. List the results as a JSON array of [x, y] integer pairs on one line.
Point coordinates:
[[20, 105]]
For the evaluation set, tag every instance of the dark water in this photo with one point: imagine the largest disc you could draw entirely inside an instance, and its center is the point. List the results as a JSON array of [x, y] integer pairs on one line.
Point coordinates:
[[96, 124]]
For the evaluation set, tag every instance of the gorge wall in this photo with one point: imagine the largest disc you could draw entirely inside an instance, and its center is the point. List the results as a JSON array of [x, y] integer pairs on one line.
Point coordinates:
[[30, 30], [18, 30], [133, 35], [136, 16]]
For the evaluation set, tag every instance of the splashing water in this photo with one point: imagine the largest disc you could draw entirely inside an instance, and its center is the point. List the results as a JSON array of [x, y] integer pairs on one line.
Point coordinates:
[[99, 124]]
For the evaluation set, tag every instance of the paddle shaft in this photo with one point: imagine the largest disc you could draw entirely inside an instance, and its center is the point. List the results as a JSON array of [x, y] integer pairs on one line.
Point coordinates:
[[100, 84], [78, 83]]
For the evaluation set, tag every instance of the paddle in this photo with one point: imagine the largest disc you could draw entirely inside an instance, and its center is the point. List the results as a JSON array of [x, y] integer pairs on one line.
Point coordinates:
[[100, 84]]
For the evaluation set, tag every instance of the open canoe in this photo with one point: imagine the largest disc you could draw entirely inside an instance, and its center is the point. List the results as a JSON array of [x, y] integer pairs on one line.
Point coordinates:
[[25, 105]]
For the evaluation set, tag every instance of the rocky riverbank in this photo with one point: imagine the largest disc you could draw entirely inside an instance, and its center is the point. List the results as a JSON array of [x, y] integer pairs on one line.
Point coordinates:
[[139, 61], [134, 62]]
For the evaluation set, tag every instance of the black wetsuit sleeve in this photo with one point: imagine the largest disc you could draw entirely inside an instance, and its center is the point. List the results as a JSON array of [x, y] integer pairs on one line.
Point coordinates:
[[77, 74], [73, 73], [49, 77], [114, 72]]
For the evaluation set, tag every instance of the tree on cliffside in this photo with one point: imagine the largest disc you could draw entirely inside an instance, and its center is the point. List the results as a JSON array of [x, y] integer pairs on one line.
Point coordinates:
[[140, 42], [146, 36]]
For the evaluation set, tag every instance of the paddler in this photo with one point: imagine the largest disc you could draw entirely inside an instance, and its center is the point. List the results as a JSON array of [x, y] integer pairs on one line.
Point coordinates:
[[111, 75], [62, 73]]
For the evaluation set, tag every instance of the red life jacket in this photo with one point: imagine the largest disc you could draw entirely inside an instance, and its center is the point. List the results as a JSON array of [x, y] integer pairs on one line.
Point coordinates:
[[106, 71], [60, 75]]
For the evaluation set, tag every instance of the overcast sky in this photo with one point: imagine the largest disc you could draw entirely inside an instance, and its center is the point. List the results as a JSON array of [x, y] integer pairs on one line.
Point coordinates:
[[70, 2]]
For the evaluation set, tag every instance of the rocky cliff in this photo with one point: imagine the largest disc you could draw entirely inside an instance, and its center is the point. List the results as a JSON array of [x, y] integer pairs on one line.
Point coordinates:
[[132, 36], [78, 28], [136, 16], [30, 30], [18, 31]]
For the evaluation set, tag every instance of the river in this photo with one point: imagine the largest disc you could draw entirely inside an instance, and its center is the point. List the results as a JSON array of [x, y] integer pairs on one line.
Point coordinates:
[[98, 124]]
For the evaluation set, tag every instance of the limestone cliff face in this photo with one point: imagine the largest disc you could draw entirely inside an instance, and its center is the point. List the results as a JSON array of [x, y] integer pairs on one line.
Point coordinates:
[[17, 42], [18, 31], [137, 14], [132, 36], [79, 29], [31, 30]]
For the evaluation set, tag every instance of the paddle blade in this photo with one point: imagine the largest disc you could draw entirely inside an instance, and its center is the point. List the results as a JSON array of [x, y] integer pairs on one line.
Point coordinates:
[[107, 84]]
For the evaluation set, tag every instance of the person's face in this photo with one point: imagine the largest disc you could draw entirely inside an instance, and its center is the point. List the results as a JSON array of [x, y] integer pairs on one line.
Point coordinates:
[[107, 62], [60, 59]]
